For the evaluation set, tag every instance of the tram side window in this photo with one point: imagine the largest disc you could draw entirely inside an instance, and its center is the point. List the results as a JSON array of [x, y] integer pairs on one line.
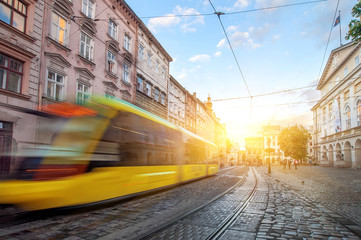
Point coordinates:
[[194, 152]]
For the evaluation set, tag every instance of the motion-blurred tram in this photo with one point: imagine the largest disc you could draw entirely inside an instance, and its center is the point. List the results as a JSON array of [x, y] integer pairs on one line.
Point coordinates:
[[104, 150]]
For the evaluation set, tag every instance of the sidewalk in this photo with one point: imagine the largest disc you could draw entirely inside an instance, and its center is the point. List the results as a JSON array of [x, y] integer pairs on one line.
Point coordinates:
[[336, 188]]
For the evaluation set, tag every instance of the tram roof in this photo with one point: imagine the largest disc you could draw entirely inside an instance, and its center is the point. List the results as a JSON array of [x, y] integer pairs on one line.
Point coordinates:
[[122, 105]]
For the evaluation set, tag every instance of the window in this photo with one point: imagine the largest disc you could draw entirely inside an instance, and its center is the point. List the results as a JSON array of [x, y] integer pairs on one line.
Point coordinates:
[[140, 84], [156, 94], [162, 98], [111, 63], [345, 71], [141, 52], [13, 13], [358, 106], [127, 42], [125, 73], [163, 73], [149, 59], [58, 28], [357, 61], [55, 86], [88, 8], [348, 117], [11, 73], [82, 93], [86, 47], [112, 30], [148, 89], [157, 66]]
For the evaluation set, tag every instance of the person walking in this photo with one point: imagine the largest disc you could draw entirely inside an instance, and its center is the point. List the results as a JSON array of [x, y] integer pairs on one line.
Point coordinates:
[[289, 163], [296, 163], [284, 164]]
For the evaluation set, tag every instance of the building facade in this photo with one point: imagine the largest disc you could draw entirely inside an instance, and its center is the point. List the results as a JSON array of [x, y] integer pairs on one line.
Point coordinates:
[[337, 116], [89, 48], [190, 114], [270, 136], [254, 150], [21, 24], [176, 102], [152, 73]]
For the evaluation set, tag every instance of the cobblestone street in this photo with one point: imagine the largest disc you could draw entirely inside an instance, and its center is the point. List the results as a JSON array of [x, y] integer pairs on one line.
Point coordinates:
[[307, 203], [336, 188]]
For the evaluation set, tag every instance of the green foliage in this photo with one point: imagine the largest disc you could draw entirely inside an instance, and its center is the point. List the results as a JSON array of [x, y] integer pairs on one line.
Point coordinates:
[[293, 142], [355, 25]]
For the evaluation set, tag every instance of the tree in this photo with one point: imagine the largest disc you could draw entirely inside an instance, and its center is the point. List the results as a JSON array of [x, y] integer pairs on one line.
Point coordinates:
[[293, 142], [355, 25]]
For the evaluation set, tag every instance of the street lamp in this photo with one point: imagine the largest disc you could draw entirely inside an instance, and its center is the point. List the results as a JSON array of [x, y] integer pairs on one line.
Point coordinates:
[[269, 154]]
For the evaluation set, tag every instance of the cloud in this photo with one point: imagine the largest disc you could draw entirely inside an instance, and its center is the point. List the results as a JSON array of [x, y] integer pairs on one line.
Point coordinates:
[[232, 28], [218, 53], [154, 24], [269, 3], [200, 58], [239, 38], [221, 43], [189, 23], [260, 33], [182, 75], [276, 37], [323, 14], [241, 4], [186, 24]]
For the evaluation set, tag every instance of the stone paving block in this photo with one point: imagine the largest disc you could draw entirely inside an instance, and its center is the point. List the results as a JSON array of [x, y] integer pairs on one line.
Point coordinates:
[[238, 235], [247, 222]]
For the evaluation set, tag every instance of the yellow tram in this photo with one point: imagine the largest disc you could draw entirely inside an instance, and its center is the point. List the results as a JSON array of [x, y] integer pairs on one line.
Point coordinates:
[[104, 150]]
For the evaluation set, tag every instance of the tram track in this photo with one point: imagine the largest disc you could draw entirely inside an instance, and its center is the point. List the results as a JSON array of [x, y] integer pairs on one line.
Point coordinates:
[[221, 228], [11, 216]]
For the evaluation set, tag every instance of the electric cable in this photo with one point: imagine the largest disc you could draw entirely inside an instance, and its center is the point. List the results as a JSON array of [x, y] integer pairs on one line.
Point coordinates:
[[230, 45]]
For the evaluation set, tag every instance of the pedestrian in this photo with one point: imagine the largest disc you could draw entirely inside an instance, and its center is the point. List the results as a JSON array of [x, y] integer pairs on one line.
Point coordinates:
[[284, 164], [310, 162], [296, 162], [289, 163]]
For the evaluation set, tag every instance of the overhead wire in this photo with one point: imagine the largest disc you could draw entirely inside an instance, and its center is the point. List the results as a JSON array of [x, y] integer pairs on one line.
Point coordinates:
[[328, 40], [225, 13], [230, 45]]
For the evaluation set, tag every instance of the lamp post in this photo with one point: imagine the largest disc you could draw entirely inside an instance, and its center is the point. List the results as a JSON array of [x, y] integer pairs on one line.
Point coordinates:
[[269, 154]]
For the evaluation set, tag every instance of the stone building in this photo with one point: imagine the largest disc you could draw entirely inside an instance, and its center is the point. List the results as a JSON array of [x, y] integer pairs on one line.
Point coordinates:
[[89, 48], [270, 135], [190, 114], [254, 150], [21, 24], [176, 102], [337, 116], [152, 73], [201, 112]]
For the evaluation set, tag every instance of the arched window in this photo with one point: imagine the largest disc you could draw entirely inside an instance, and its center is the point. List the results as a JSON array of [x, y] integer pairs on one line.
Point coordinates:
[[348, 117], [358, 106]]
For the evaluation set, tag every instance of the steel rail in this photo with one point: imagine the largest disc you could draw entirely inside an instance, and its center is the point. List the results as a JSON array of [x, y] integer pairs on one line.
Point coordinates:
[[221, 230], [171, 223]]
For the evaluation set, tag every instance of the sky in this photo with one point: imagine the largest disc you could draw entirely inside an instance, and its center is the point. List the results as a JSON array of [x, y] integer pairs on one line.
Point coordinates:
[[276, 49]]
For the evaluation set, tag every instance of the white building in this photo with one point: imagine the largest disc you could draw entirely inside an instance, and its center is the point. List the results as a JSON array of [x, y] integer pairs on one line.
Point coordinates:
[[337, 116], [271, 136], [176, 102]]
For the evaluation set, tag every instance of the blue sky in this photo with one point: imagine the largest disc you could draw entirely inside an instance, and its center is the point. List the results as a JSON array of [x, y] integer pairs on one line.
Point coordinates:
[[277, 49]]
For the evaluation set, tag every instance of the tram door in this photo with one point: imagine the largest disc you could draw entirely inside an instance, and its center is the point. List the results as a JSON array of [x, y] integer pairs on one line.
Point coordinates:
[[5, 147]]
